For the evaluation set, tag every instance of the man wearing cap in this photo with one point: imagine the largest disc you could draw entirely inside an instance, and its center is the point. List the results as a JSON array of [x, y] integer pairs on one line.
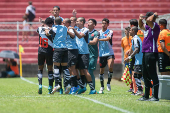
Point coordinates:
[[150, 52]]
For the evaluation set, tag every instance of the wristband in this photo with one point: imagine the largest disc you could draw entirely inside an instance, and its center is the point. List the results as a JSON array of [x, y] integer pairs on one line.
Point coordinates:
[[129, 57]]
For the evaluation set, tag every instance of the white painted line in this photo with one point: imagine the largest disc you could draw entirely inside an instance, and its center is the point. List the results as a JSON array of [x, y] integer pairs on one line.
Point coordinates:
[[95, 101]]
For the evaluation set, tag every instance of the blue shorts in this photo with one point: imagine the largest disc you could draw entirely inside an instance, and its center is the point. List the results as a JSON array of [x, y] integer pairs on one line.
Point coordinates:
[[11, 73]]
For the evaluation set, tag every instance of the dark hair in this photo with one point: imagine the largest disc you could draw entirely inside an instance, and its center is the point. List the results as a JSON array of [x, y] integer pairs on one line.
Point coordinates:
[[67, 20], [106, 20], [49, 21], [127, 28], [30, 2], [57, 7], [94, 21], [82, 19], [134, 22], [58, 20], [134, 28], [163, 22], [74, 18]]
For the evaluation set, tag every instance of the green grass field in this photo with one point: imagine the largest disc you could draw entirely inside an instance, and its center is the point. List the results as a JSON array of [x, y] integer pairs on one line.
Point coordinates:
[[19, 96]]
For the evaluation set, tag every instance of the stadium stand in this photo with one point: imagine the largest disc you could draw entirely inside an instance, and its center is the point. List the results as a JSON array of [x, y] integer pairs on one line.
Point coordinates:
[[114, 10]]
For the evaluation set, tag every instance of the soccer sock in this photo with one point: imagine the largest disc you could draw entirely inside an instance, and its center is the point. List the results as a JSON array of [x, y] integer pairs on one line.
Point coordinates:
[[131, 85], [40, 77], [56, 75], [66, 76], [109, 77], [83, 79], [74, 81], [92, 76], [138, 83], [101, 76], [50, 78], [91, 85], [80, 83]]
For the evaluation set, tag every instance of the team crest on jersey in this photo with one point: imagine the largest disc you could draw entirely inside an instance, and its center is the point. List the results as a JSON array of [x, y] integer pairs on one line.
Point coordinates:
[[92, 35], [168, 34]]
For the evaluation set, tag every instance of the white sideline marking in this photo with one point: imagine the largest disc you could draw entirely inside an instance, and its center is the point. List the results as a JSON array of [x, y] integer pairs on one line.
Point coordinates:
[[95, 101]]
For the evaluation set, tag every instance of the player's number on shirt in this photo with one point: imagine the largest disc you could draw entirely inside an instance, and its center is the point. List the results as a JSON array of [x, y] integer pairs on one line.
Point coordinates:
[[43, 42]]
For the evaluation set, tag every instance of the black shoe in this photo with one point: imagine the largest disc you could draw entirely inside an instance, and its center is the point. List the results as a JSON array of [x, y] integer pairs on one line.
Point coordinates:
[[153, 99], [133, 93], [143, 99]]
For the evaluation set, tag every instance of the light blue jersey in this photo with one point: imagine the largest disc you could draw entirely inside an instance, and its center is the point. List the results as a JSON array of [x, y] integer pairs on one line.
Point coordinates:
[[82, 43], [105, 47], [59, 40], [71, 42], [137, 43]]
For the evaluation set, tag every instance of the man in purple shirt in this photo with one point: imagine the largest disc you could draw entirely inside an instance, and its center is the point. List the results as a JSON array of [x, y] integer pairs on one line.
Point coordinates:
[[150, 51]]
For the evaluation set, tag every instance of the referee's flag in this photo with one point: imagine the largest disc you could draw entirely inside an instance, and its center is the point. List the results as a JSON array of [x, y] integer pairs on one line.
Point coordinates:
[[126, 76]]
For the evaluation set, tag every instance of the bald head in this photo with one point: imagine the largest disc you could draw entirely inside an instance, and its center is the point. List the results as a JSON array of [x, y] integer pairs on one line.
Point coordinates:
[[58, 21]]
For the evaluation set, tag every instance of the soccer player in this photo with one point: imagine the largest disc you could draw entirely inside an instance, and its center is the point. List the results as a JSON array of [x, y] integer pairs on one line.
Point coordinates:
[[106, 53], [93, 48], [72, 55], [60, 55], [136, 81], [164, 48], [45, 53], [150, 52], [56, 12], [137, 52], [83, 56]]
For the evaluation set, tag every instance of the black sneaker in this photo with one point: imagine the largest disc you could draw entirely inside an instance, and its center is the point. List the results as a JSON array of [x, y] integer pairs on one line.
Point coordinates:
[[143, 99], [153, 99], [133, 93]]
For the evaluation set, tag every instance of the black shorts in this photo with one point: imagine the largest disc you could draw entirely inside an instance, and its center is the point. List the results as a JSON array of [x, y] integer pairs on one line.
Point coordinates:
[[131, 64], [60, 55], [45, 57], [82, 61], [72, 57], [103, 60], [163, 62], [31, 17], [138, 69]]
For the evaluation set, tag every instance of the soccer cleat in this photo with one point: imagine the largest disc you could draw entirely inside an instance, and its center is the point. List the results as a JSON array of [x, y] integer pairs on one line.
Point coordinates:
[[50, 88], [139, 93], [93, 92], [55, 89], [133, 93], [82, 90], [101, 90], [153, 99], [130, 90], [143, 99], [74, 90], [108, 87], [61, 91], [40, 89], [67, 89]]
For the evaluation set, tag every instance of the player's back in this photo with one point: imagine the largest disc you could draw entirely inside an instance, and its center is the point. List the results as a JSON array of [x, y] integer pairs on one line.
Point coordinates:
[[140, 34], [60, 36], [45, 42]]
